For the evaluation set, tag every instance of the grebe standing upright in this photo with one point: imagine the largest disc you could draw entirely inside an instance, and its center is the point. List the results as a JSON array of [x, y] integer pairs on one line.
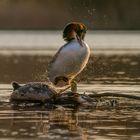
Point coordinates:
[[71, 58]]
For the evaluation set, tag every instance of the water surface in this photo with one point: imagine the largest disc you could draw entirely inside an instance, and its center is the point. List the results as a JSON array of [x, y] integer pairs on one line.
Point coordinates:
[[113, 67], [36, 122]]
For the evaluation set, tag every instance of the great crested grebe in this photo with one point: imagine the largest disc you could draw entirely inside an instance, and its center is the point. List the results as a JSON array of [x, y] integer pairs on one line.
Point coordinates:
[[71, 58]]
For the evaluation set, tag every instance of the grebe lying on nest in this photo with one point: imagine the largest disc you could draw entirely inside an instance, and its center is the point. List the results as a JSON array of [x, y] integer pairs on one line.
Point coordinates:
[[43, 93]]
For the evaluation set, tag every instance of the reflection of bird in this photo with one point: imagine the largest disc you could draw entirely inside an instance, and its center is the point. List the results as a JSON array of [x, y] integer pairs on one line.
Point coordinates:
[[71, 58]]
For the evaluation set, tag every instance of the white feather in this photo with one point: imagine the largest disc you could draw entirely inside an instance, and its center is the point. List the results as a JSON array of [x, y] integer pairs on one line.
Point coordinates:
[[70, 60]]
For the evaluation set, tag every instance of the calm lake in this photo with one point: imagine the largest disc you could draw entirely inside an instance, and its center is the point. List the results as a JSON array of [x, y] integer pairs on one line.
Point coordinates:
[[114, 67]]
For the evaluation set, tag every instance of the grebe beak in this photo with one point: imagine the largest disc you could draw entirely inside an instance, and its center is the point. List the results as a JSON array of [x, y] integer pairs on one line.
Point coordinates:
[[79, 39]]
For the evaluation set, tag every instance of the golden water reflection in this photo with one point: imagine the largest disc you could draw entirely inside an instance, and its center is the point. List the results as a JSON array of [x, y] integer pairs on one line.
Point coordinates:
[[66, 123]]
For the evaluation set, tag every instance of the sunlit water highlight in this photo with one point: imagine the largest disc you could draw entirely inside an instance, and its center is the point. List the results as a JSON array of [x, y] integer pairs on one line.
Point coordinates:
[[53, 39]]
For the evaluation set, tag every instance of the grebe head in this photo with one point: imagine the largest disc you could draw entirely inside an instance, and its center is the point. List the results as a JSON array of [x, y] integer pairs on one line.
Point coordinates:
[[74, 30]]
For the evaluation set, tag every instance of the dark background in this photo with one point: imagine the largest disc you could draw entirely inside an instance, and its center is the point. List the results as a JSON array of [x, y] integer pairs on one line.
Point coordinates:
[[54, 14]]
